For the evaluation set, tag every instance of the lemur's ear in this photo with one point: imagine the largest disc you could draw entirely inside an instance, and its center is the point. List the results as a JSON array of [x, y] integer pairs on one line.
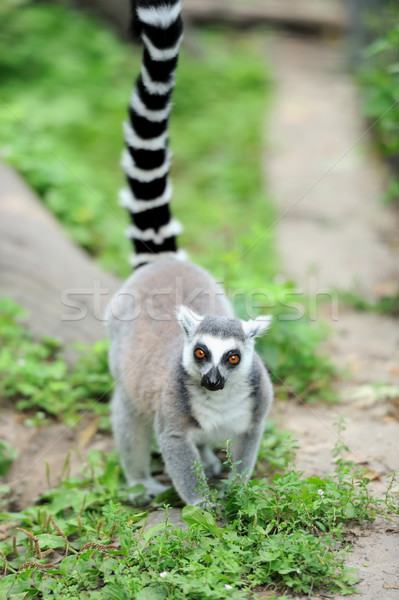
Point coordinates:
[[257, 327], [188, 319]]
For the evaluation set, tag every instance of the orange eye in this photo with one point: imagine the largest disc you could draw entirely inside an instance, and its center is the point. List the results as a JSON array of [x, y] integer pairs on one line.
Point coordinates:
[[199, 353], [234, 359]]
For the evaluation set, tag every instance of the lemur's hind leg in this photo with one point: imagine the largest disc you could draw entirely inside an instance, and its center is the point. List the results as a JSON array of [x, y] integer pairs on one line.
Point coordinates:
[[212, 464], [133, 433], [245, 449]]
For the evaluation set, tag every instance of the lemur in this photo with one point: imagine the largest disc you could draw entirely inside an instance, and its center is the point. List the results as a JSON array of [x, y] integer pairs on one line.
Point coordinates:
[[183, 365]]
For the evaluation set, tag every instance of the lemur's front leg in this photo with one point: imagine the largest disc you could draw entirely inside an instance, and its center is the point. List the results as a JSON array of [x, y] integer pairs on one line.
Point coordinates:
[[180, 454]]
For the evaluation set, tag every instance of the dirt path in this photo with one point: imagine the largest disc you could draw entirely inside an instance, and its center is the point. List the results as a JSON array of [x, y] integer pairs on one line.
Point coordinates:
[[334, 234]]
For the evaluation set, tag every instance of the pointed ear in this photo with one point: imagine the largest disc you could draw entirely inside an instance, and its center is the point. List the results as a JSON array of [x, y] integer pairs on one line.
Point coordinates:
[[257, 327], [188, 319]]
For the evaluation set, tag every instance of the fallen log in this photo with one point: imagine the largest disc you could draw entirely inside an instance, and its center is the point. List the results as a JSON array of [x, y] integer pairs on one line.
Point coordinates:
[[60, 286], [329, 16]]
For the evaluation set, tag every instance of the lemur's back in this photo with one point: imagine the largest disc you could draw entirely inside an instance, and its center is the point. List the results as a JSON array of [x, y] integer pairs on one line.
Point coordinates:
[[142, 318]]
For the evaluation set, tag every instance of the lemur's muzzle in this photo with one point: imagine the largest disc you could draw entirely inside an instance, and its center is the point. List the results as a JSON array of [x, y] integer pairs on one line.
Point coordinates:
[[213, 380]]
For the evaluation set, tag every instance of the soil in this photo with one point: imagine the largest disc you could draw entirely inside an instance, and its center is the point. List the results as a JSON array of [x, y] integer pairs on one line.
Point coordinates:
[[333, 232]]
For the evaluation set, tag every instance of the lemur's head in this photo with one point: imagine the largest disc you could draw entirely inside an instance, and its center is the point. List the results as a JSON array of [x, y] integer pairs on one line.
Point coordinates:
[[217, 349]]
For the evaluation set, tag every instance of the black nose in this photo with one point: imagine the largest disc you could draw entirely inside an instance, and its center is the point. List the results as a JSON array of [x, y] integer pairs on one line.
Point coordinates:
[[213, 380], [217, 385]]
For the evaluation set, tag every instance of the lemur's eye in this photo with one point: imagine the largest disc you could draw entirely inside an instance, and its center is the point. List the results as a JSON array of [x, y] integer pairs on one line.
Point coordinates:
[[234, 359], [199, 353]]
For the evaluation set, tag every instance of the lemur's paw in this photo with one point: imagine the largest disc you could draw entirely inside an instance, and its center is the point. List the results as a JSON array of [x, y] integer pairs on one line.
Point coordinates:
[[152, 489]]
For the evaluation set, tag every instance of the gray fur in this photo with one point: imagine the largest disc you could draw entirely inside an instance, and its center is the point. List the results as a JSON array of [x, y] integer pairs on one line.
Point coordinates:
[[221, 327], [158, 379]]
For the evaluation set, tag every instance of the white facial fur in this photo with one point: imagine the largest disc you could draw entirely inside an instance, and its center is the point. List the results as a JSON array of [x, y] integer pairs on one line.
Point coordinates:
[[218, 346]]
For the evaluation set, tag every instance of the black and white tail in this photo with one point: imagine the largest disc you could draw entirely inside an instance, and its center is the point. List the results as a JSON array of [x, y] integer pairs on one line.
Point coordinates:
[[146, 159]]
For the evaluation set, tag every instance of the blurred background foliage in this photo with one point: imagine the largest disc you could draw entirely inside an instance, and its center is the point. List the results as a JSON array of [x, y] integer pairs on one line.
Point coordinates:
[[65, 87], [375, 38]]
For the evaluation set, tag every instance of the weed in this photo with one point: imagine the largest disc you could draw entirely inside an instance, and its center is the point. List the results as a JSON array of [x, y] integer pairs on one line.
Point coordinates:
[[298, 369], [286, 533], [379, 79], [381, 86], [388, 305], [7, 456], [36, 376], [276, 451]]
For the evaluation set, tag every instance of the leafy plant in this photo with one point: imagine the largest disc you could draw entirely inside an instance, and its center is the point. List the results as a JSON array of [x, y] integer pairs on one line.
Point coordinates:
[[386, 305], [379, 77], [298, 368], [286, 533], [7, 456], [35, 376], [277, 450], [381, 80]]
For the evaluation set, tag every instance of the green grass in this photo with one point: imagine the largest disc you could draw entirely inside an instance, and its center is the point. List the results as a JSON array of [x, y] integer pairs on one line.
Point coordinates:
[[64, 90], [35, 376], [388, 305], [286, 533], [379, 81]]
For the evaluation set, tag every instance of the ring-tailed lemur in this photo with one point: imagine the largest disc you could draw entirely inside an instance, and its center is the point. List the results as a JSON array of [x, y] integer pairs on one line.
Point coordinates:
[[182, 364]]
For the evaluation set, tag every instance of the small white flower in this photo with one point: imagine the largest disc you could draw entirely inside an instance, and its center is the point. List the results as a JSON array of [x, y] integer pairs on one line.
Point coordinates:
[[227, 586], [320, 492], [163, 574], [21, 362], [298, 571]]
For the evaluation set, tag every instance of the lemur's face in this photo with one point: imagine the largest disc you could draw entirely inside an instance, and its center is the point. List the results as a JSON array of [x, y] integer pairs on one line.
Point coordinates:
[[218, 350], [215, 359]]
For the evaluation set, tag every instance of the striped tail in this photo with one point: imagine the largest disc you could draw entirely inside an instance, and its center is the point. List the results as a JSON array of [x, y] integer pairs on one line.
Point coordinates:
[[146, 159]]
